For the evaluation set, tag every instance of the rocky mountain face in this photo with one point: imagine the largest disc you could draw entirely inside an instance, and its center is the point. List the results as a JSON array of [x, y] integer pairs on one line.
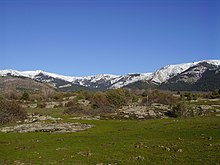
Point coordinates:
[[202, 75]]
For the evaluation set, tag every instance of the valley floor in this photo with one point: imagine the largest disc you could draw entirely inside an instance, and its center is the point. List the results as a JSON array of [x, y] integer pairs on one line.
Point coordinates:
[[166, 141]]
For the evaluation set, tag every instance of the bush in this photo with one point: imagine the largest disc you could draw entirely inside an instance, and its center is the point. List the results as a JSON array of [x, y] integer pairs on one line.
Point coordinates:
[[10, 112], [76, 110], [159, 97], [118, 97], [25, 96], [179, 110], [71, 103], [1, 98], [99, 100], [102, 111], [41, 105]]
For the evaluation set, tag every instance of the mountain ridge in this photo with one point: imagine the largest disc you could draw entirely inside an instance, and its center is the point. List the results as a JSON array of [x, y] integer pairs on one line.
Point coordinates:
[[109, 81]]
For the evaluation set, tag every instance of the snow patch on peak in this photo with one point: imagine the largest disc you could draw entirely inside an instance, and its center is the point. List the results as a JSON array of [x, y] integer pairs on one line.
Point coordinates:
[[213, 62], [169, 71], [130, 78], [11, 72]]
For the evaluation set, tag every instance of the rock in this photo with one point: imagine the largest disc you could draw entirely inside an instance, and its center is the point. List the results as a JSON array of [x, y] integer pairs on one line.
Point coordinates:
[[72, 97], [60, 139], [140, 117], [139, 145], [52, 104], [31, 118], [152, 113], [47, 127], [217, 110], [84, 102], [85, 153], [205, 107], [86, 118], [32, 105], [139, 158], [179, 150], [141, 112], [126, 116]]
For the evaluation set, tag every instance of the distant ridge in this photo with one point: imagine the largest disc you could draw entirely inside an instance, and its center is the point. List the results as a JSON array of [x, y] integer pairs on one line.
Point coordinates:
[[172, 77]]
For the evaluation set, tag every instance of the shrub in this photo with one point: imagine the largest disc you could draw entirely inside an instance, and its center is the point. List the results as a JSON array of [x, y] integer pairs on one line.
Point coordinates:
[[41, 105], [215, 95], [71, 103], [179, 110], [10, 112], [1, 98], [76, 110], [25, 96], [190, 96], [102, 111], [82, 110], [118, 97], [159, 97], [99, 100]]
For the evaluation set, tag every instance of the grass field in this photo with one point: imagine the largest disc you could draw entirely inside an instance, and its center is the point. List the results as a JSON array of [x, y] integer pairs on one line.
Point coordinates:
[[167, 141]]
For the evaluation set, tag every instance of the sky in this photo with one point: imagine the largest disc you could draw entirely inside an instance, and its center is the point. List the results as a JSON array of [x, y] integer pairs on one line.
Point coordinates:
[[89, 37]]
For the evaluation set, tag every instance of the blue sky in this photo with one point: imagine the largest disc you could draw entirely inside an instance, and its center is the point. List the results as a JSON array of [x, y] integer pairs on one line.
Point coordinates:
[[87, 37]]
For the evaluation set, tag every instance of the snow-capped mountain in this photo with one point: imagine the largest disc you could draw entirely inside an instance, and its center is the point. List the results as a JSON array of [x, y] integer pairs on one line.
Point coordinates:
[[202, 76], [170, 74], [102, 81], [170, 71]]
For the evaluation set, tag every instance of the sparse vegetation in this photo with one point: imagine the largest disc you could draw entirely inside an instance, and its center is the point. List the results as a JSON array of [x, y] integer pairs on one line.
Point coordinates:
[[41, 105], [179, 110], [11, 112], [76, 109], [25, 96], [157, 96]]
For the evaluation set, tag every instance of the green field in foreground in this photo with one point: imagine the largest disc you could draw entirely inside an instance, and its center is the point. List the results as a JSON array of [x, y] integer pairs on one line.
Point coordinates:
[[167, 141]]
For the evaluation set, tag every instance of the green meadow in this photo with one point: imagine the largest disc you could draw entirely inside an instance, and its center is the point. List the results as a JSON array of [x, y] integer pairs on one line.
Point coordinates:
[[167, 141]]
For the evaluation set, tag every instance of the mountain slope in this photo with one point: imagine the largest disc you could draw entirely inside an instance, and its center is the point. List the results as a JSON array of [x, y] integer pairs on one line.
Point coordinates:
[[203, 76], [11, 85]]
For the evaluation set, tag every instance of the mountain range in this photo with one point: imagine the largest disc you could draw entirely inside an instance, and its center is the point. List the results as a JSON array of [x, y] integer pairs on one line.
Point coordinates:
[[202, 76]]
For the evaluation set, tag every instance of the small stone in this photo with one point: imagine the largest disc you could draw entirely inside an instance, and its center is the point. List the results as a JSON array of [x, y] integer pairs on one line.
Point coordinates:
[[126, 116], [85, 154], [60, 139], [179, 150], [139, 158]]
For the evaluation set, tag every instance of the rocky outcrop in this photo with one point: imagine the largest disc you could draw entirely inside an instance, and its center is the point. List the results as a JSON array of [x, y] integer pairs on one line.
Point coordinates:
[[155, 111], [47, 127], [31, 118], [86, 118]]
